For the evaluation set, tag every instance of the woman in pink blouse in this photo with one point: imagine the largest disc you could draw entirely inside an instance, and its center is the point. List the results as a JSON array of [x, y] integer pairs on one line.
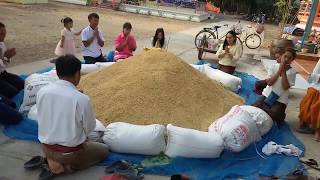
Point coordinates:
[[125, 44]]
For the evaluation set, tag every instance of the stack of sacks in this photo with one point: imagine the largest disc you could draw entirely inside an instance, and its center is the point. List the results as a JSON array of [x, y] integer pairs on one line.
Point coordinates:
[[150, 140], [235, 131], [229, 81], [85, 68], [36, 81], [241, 126], [32, 85]]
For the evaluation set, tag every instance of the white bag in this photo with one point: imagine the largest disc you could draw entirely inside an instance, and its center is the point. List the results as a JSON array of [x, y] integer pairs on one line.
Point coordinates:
[[229, 81], [97, 134], [136, 139], [192, 143], [32, 85], [88, 68], [237, 129], [262, 119], [104, 64], [52, 73], [33, 113], [200, 68]]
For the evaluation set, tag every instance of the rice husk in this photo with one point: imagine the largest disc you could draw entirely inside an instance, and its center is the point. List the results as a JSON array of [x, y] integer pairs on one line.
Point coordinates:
[[157, 87]]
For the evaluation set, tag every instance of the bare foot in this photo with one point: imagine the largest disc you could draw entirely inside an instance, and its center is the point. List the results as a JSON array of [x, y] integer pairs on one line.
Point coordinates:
[[55, 167]]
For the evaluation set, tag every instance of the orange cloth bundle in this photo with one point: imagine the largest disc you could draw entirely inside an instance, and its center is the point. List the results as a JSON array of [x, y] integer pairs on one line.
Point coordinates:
[[310, 108]]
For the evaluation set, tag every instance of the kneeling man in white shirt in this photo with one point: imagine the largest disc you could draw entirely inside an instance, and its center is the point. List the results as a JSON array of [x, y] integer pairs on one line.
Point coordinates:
[[66, 118]]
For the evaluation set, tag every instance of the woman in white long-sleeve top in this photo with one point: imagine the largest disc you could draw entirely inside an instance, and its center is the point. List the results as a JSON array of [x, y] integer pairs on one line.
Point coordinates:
[[229, 53]]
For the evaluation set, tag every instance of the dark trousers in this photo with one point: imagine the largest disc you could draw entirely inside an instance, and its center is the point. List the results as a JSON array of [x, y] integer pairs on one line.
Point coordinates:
[[277, 111], [8, 113], [92, 60], [227, 69], [10, 84]]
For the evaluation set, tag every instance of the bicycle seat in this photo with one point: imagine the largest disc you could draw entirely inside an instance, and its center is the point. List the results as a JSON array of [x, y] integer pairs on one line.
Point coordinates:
[[208, 29], [216, 27]]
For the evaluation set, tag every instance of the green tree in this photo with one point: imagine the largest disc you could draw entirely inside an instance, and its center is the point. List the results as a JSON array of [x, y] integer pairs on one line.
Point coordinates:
[[286, 11]]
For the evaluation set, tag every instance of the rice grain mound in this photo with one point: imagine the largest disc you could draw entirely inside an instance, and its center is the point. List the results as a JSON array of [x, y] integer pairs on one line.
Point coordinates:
[[157, 87]]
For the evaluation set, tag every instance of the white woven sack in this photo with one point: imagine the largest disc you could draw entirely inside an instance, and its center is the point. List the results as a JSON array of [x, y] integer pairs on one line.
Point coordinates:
[[229, 81], [104, 64], [192, 143], [200, 68], [88, 68], [32, 85], [136, 139], [33, 113], [97, 134], [262, 119], [237, 129]]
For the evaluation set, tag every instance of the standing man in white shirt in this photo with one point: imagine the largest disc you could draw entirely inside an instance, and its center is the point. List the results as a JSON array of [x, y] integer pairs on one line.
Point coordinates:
[[66, 118], [93, 41], [10, 84]]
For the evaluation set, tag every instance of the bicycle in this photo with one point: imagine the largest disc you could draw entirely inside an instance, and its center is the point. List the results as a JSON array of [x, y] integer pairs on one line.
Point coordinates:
[[207, 40]]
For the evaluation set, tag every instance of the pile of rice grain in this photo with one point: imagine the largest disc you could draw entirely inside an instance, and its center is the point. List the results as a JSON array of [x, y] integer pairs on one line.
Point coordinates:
[[157, 87]]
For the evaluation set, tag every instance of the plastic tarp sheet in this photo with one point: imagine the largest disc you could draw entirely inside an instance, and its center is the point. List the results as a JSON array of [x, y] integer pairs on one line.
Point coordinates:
[[248, 164]]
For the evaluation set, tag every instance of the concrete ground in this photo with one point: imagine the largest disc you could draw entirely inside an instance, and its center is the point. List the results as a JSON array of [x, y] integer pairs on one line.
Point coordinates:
[[13, 153]]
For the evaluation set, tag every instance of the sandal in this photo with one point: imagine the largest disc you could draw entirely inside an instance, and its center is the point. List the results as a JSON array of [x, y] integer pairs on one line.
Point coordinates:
[[179, 177], [311, 163], [46, 174], [305, 130], [316, 139], [130, 173], [35, 163], [53, 61], [297, 175], [111, 169]]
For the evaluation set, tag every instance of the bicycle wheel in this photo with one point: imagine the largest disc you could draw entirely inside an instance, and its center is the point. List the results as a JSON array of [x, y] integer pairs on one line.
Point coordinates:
[[202, 44], [253, 41], [199, 37]]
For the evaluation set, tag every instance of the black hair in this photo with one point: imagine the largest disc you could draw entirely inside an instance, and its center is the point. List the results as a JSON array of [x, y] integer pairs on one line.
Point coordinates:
[[155, 37], [93, 15], [234, 34], [67, 65], [2, 25], [279, 50], [127, 25], [292, 51], [66, 21]]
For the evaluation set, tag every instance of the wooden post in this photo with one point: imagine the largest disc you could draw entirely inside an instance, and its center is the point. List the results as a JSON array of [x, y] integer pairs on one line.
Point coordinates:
[[312, 14]]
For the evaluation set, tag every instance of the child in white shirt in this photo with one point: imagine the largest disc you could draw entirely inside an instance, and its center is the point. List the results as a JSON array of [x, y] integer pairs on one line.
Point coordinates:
[[276, 95]]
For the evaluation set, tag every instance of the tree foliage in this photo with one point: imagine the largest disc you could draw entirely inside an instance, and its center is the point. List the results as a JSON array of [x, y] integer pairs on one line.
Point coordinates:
[[269, 7]]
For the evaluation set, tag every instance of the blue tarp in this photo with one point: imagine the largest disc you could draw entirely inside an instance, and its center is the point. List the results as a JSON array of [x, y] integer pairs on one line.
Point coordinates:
[[247, 164]]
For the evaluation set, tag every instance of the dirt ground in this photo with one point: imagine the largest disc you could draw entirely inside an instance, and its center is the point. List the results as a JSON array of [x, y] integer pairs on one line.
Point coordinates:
[[34, 30]]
